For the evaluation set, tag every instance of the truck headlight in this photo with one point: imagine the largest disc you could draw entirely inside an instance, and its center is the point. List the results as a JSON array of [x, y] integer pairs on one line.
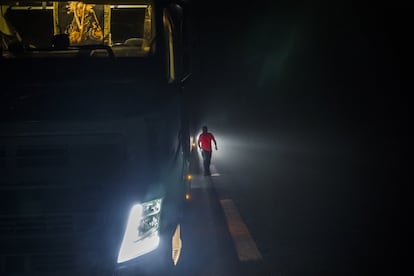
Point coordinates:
[[141, 234]]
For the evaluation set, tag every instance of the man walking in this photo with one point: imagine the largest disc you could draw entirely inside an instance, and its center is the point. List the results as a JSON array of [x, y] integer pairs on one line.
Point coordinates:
[[204, 143]]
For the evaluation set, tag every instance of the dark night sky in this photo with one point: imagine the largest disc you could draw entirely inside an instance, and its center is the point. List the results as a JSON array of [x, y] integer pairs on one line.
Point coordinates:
[[331, 63]]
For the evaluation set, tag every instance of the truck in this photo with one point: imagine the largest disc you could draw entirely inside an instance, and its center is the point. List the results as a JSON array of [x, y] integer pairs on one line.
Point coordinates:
[[94, 136]]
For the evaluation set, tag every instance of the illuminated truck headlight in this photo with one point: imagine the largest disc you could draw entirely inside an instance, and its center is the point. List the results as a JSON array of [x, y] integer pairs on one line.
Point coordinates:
[[141, 234]]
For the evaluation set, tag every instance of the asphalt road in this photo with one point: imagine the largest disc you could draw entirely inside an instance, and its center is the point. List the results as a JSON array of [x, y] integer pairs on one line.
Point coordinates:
[[315, 202]]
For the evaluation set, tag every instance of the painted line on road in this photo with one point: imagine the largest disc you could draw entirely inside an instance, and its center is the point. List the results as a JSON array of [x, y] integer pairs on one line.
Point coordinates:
[[245, 246]]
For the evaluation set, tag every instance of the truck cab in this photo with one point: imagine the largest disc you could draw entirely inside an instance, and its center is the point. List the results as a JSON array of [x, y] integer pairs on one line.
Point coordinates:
[[94, 145]]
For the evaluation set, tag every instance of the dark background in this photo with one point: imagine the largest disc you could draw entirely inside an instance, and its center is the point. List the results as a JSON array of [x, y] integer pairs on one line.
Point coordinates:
[[335, 63], [314, 70]]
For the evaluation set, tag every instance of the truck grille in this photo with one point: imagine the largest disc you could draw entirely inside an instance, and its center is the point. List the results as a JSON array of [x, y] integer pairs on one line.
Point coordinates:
[[49, 189], [41, 156], [2, 157], [49, 161], [53, 263], [42, 264], [32, 225]]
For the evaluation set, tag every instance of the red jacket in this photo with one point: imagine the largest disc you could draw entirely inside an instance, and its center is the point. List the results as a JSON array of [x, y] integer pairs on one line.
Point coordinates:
[[204, 141]]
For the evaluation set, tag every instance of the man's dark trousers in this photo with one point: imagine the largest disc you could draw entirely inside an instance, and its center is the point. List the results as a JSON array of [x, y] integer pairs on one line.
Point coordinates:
[[206, 161]]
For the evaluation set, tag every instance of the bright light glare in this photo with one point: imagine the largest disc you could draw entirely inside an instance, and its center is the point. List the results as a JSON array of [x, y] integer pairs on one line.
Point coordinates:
[[133, 245], [192, 143]]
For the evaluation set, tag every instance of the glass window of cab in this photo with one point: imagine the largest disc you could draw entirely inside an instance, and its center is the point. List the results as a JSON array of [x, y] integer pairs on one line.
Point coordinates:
[[63, 28]]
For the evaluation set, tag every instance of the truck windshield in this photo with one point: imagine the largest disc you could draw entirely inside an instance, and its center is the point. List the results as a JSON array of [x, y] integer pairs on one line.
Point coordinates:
[[66, 28]]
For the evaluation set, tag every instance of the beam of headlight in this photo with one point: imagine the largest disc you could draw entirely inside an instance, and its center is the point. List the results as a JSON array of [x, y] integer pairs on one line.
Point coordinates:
[[234, 144], [226, 147]]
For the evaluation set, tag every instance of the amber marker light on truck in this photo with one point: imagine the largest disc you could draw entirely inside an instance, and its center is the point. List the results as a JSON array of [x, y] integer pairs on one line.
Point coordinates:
[[193, 143]]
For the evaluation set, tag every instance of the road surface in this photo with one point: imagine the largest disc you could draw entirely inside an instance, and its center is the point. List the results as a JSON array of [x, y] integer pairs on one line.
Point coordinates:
[[313, 203]]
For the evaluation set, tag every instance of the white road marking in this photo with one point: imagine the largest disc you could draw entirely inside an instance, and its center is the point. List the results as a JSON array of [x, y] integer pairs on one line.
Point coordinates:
[[245, 246]]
